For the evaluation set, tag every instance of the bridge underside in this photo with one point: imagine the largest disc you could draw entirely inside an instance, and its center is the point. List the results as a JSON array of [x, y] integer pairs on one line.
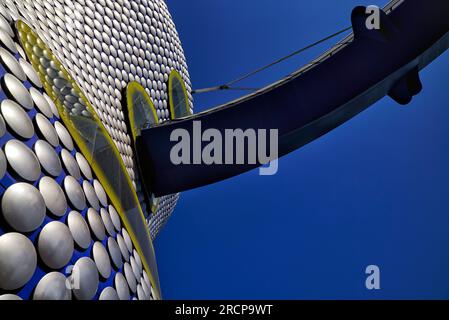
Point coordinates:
[[312, 102]]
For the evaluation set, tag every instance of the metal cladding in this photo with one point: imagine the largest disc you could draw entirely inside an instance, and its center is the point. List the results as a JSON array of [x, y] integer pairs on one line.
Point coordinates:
[[91, 195], [75, 193], [48, 158], [7, 42], [122, 246], [52, 287], [9, 297], [22, 160], [121, 286], [96, 224], [129, 275], [41, 102], [85, 273], [31, 74], [18, 261], [70, 164], [64, 136], [105, 45], [23, 207], [84, 166], [55, 245], [17, 119], [46, 129], [11, 64], [102, 260], [79, 229], [53, 195], [55, 210], [109, 293], [14, 88], [107, 221], [115, 253]]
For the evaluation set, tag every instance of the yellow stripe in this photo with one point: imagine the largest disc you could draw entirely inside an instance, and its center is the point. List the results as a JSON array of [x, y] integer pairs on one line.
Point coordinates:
[[133, 88], [175, 74], [34, 47]]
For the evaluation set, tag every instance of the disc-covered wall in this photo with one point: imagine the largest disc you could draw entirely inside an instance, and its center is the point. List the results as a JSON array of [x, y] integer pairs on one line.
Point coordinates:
[[60, 235]]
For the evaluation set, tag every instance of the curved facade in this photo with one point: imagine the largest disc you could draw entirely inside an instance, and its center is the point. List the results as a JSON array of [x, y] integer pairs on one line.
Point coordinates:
[[105, 45], [72, 234]]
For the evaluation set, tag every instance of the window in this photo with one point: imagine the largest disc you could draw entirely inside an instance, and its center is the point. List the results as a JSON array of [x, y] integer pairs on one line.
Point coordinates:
[[179, 102], [141, 111], [94, 142]]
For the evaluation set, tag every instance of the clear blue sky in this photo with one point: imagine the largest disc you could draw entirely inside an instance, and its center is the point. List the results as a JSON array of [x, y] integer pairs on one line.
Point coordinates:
[[374, 191]]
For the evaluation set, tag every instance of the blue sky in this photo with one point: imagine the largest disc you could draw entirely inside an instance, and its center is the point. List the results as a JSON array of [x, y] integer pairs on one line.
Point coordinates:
[[374, 191]]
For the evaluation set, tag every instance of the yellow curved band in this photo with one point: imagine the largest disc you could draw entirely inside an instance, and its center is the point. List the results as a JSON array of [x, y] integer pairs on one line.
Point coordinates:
[[94, 142], [175, 80]]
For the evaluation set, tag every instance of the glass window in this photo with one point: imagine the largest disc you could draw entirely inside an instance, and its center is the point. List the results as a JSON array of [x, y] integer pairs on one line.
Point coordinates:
[[94, 142], [179, 102], [141, 111], [141, 114]]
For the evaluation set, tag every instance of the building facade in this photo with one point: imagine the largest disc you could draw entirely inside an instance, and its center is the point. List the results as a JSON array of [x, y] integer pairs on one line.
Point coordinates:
[[76, 219]]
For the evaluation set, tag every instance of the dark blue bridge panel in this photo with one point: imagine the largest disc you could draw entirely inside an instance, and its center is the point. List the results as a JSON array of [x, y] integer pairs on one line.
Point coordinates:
[[306, 105]]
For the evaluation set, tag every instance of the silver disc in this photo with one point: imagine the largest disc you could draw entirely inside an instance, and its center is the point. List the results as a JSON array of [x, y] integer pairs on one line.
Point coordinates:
[[70, 164], [123, 248], [114, 252], [74, 193], [109, 293], [84, 166], [9, 297], [31, 74], [96, 224], [138, 260], [4, 24], [127, 238], [101, 259], [64, 135], [17, 119], [107, 222], [22, 160], [48, 157], [79, 229], [18, 91], [90, 195], [86, 279], [55, 245], [130, 278], [122, 287], [11, 64], [53, 286], [145, 288], [7, 42], [2, 126], [41, 103], [115, 218], [18, 260], [135, 268], [3, 164], [101, 194], [46, 130], [53, 195], [23, 207], [140, 293]]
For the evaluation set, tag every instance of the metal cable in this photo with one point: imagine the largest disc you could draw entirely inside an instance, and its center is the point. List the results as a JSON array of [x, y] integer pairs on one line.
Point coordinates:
[[229, 85]]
